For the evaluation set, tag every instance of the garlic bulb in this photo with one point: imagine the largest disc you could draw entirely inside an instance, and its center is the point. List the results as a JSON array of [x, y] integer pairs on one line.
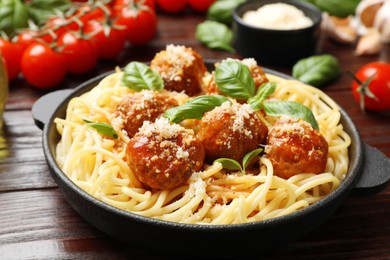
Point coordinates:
[[374, 14], [382, 21]]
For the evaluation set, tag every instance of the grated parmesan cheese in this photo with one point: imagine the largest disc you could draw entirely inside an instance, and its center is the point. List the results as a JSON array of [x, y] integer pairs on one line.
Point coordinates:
[[278, 16]]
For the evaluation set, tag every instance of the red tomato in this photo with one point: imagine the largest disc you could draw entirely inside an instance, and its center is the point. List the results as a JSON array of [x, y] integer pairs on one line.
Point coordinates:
[[172, 6], [92, 13], [54, 27], [42, 66], [140, 23], [26, 38], [80, 54], [119, 4], [109, 46], [12, 54], [377, 93], [200, 5]]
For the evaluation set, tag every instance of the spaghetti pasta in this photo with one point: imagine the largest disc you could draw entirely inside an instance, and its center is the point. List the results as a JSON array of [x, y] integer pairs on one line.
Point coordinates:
[[210, 196]]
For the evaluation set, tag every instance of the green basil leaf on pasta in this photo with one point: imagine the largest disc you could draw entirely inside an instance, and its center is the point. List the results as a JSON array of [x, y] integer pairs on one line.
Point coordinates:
[[229, 164], [234, 79], [265, 90], [317, 70], [103, 128], [250, 156], [139, 76], [215, 35], [292, 109], [195, 108]]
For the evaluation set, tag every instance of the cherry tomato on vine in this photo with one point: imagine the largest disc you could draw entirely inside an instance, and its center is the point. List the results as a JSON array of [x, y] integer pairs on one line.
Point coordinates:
[[200, 5], [80, 54], [12, 54], [172, 6], [119, 4], [373, 83], [139, 22], [42, 66], [26, 37], [109, 45]]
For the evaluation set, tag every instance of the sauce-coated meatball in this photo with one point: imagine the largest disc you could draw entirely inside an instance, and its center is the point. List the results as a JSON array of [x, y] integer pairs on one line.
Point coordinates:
[[146, 105], [230, 131], [294, 147], [181, 68], [164, 155], [256, 71]]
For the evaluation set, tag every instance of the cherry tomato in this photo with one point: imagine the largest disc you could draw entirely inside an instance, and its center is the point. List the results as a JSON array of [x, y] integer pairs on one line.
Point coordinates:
[[109, 46], [119, 4], [12, 54], [42, 66], [80, 54], [200, 5], [54, 27], [26, 37], [172, 6], [377, 93], [140, 23]]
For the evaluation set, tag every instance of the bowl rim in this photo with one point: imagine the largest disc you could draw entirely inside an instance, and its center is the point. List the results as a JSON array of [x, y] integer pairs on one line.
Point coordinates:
[[304, 6], [346, 185]]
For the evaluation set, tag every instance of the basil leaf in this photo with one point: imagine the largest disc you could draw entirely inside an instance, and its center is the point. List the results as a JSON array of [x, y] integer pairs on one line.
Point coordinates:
[[336, 7], [194, 108], [103, 128], [215, 35], [292, 109], [139, 76], [41, 10], [229, 164], [234, 79], [13, 15], [250, 156], [317, 70], [264, 91], [222, 11]]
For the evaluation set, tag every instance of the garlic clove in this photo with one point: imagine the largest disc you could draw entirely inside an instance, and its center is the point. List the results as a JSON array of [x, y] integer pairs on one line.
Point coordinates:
[[370, 43], [339, 29]]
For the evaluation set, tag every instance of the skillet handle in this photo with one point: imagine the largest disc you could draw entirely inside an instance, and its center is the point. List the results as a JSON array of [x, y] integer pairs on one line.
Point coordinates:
[[44, 107], [376, 172]]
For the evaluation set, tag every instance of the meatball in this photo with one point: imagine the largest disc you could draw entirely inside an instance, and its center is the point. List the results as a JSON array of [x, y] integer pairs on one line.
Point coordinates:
[[164, 155], [181, 68], [256, 71], [146, 105], [294, 147], [230, 131]]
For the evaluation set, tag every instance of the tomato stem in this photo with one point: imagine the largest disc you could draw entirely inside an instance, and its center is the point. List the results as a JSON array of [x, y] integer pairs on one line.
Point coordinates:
[[364, 89]]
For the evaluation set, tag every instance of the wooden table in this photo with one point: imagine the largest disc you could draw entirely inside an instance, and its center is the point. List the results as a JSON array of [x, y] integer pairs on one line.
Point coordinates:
[[37, 223]]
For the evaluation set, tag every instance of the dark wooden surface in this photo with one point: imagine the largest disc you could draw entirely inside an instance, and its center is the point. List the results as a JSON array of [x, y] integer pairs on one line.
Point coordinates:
[[37, 223]]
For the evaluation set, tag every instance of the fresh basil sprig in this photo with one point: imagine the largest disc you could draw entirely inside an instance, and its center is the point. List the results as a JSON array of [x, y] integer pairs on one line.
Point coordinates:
[[234, 79], [103, 128], [265, 90], [195, 108], [292, 109], [139, 76], [222, 11], [233, 165], [215, 35], [317, 70]]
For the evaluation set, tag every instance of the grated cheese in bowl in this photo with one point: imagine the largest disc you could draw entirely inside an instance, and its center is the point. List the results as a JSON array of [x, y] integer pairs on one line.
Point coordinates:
[[279, 16]]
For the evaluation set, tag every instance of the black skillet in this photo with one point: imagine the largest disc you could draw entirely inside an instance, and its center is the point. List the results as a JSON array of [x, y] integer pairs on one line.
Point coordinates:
[[369, 172]]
